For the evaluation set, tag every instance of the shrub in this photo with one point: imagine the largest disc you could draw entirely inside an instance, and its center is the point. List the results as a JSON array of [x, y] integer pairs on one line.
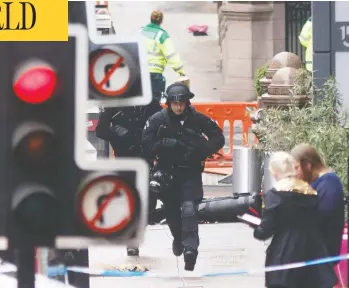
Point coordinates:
[[324, 124], [260, 73]]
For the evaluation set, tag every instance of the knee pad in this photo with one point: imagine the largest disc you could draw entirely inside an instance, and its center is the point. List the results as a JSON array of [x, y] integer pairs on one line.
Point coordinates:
[[189, 216], [188, 209]]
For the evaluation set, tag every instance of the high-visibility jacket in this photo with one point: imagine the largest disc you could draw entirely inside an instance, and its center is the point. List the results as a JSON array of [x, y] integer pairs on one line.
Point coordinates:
[[161, 50], [306, 39]]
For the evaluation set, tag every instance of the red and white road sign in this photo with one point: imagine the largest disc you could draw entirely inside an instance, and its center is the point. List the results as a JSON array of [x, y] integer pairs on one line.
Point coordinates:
[[107, 205], [109, 74]]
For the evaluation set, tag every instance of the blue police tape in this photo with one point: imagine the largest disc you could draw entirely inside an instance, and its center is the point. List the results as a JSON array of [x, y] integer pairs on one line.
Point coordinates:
[[61, 270]]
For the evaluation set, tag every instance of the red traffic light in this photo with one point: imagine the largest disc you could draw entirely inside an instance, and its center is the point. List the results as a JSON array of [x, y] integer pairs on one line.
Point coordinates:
[[35, 83]]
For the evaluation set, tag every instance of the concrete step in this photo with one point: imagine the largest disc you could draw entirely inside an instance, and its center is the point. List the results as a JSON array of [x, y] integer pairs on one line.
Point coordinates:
[[211, 179]]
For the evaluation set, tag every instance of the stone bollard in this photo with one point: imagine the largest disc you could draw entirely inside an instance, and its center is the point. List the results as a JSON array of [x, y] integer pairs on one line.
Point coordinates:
[[279, 61]]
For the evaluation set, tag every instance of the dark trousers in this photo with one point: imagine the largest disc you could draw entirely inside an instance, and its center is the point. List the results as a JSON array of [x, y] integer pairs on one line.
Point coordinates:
[[152, 201], [181, 209], [158, 84]]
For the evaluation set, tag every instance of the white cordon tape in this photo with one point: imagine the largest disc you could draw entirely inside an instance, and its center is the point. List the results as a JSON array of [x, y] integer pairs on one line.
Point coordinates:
[[60, 270]]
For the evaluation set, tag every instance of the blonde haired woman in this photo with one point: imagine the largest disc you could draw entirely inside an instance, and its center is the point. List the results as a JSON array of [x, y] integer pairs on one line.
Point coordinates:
[[290, 217]]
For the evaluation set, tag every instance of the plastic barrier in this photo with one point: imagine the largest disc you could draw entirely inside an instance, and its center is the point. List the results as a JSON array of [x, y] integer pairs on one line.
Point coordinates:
[[102, 4], [230, 112], [221, 112]]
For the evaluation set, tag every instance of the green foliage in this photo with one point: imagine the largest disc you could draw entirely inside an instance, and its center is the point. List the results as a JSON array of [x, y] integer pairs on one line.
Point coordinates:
[[303, 84], [324, 124], [260, 73]]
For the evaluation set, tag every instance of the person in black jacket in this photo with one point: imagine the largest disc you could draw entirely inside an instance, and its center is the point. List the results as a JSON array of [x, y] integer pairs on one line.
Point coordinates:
[[122, 127], [174, 137], [290, 218]]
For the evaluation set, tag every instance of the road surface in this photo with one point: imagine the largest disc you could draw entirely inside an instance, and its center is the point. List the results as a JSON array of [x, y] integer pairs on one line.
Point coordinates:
[[223, 247]]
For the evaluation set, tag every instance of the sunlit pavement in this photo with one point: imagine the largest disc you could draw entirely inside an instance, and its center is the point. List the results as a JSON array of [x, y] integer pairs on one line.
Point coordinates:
[[223, 247]]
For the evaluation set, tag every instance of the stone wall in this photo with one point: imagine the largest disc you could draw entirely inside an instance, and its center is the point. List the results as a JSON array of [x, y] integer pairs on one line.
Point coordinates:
[[250, 34]]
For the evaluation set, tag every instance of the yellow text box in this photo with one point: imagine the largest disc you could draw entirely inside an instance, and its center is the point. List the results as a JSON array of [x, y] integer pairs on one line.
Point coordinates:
[[34, 20]]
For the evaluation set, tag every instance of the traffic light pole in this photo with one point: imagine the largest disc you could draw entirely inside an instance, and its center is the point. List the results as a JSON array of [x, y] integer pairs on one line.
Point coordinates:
[[77, 14], [25, 260]]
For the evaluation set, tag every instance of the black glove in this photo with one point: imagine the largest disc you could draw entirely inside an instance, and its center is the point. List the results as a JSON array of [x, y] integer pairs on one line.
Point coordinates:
[[120, 131], [166, 145], [169, 143]]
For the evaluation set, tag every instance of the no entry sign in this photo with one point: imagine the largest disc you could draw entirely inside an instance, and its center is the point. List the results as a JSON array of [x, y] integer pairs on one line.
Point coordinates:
[[109, 73], [107, 205]]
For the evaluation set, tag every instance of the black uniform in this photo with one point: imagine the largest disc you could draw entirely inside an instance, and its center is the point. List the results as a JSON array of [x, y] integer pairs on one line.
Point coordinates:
[[122, 127], [185, 163]]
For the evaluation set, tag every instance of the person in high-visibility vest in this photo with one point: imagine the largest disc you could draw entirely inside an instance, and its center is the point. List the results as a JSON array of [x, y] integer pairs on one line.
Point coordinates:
[[161, 52], [306, 40]]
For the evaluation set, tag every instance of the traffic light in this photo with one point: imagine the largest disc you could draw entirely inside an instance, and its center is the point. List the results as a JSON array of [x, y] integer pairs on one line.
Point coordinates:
[[38, 86], [54, 196]]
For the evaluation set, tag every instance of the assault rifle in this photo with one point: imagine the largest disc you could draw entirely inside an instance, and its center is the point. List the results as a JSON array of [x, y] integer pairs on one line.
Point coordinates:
[[189, 137]]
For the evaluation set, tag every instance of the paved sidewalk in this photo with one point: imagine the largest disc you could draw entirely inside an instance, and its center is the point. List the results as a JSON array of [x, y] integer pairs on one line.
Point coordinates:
[[223, 247]]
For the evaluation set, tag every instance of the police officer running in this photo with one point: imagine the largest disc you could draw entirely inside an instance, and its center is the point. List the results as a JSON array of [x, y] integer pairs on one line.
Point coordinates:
[[122, 127], [168, 137], [161, 51]]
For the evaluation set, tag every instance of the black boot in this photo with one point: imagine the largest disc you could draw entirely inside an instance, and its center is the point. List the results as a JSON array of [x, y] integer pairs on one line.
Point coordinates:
[[177, 248], [190, 259], [132, 252]]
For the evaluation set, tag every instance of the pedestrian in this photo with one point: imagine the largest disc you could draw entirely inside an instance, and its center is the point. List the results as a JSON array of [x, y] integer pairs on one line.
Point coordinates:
[[290, 217], [161, 52], [174, 138], [312, 169]]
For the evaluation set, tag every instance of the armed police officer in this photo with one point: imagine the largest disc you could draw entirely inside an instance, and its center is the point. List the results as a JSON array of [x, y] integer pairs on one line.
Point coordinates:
[[122, 127], [174, 138]]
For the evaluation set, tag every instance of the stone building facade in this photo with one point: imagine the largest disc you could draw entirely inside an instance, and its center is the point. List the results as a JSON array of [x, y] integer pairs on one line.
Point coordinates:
[[250, 34]]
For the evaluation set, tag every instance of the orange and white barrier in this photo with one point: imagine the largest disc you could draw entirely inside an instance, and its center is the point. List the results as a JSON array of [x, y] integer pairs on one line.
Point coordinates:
[[226, 114], [102, 4]]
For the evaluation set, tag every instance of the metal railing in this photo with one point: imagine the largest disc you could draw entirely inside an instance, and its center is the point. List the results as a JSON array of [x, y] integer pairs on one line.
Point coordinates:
[[296, 14]]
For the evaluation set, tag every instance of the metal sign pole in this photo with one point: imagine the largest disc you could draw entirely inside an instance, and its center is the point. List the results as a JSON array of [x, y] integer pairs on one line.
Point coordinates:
[[25, 260], [77, 14]]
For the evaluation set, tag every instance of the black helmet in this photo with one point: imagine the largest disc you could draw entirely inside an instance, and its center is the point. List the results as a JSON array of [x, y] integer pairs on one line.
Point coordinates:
[[178, 92]]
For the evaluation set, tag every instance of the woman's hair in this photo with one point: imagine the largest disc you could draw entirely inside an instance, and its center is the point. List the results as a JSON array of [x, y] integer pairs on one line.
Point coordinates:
[[281, 165], [305, 153], [156, 17]]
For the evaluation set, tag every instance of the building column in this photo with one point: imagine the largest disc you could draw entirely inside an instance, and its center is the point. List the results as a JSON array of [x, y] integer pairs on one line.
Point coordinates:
[[251, 33]]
